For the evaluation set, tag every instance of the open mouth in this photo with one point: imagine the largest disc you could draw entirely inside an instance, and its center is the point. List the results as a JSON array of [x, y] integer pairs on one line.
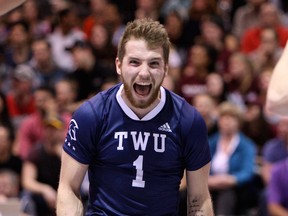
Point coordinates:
[[142, 89]]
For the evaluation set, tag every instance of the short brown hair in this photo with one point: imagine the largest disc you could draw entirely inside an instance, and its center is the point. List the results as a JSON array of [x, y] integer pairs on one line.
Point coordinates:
[[149, 30], [230, 109]]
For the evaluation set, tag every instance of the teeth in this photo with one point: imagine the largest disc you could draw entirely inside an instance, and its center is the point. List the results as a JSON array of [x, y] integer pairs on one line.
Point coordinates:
[[144, 84]]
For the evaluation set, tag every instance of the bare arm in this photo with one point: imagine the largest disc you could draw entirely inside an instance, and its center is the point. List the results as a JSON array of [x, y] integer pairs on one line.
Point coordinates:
[[30, 183], [199, 200], [7, 5], [71, 177], [277, 96], [277, 210]]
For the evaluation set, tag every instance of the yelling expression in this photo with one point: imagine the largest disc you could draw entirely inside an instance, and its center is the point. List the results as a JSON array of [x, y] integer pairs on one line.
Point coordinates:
[[142, 71]]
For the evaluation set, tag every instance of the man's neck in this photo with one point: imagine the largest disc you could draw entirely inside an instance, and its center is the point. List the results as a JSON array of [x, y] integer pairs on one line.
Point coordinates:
[[141, 112]]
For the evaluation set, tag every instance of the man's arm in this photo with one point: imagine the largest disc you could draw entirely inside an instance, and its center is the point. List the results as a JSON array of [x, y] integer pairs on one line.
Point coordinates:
[[30, 183], [277, 96], [7, 5], [199, 201], [71, 177], [277, 210]]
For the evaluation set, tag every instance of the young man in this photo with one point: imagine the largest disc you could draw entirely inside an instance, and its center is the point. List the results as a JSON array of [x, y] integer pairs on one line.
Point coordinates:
[[7, 5], [136, 139], [277, 96]]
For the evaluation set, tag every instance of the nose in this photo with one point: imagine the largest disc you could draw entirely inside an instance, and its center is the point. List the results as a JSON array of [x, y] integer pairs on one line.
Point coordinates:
[[144, 71]]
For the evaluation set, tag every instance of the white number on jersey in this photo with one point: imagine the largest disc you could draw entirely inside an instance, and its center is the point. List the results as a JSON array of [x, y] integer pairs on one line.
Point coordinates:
[[138, 182]]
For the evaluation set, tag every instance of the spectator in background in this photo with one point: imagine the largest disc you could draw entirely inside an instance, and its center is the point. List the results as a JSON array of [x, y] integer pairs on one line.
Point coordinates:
[[240, 80], [256, 122], [268, 18], [268, 51], [216, 87], [46, 70], [199, 65], [89, 73], [20, 99], [31, 131], [43, 157], [246, 16], [10, 166], [8, 160], [147, 9], [103, 49], [4, 113], [114, 23], [233, 163], [198, 9], [213, 35], [207, 107], [9, 185], [277, 193], [274, 150], [96, 16], [212, 32], [66, 94], [39, 25], [18, 50], [66, 32], [5, 71], [172, 5], [174, 23]]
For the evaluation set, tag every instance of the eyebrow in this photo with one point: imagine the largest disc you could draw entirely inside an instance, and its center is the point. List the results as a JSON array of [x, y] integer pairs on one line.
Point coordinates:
[[149, 59]]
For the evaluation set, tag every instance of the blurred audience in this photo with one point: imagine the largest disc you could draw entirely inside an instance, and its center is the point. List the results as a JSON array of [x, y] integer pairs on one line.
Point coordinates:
[[221, 51], [268, 52], [43, 157], [268, 18], [18, 49], [20, 99], [42, 62], [65, 33], [89, 73], [32, 129], [246, 16], [194, 73], [207, 107]]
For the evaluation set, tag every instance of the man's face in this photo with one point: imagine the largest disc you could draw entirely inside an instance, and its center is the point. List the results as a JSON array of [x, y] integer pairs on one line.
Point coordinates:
[[142, 71]]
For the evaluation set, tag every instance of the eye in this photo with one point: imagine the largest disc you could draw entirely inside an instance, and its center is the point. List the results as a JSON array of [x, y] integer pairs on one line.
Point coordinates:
[[154, 64], [134, 62]]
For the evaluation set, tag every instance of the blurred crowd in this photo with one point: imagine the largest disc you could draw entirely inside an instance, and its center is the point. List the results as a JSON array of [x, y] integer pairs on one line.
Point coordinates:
[[54, 54]]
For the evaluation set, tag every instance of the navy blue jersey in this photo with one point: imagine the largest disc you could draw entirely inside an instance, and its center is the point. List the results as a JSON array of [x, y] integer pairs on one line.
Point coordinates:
[[136, 165]]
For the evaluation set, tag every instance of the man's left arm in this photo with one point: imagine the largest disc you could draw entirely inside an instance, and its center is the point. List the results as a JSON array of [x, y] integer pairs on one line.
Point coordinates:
[[199, 202]]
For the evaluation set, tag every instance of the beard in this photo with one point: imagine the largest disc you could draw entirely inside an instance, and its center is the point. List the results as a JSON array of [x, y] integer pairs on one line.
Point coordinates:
[[137, 102]]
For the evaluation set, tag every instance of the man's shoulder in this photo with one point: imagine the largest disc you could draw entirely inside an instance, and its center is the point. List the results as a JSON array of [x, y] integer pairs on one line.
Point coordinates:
[[101, 100]]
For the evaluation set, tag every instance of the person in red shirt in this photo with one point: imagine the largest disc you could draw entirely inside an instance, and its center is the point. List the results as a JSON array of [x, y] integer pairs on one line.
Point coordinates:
[[20, 100], [269, 18]]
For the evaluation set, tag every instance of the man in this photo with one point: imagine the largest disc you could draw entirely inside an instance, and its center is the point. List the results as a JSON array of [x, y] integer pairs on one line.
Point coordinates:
[[7, 5], [136, 139], [277, 96]]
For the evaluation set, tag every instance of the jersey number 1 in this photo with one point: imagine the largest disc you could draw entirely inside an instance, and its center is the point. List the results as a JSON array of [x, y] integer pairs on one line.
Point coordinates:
[[138, 182]]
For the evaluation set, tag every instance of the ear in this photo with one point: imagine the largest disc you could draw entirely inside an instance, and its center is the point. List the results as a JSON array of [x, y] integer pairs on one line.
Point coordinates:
[[166, 68], [118, 66]]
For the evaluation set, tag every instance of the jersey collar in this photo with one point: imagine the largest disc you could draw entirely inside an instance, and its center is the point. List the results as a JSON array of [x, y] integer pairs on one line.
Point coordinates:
[[126, 109]]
